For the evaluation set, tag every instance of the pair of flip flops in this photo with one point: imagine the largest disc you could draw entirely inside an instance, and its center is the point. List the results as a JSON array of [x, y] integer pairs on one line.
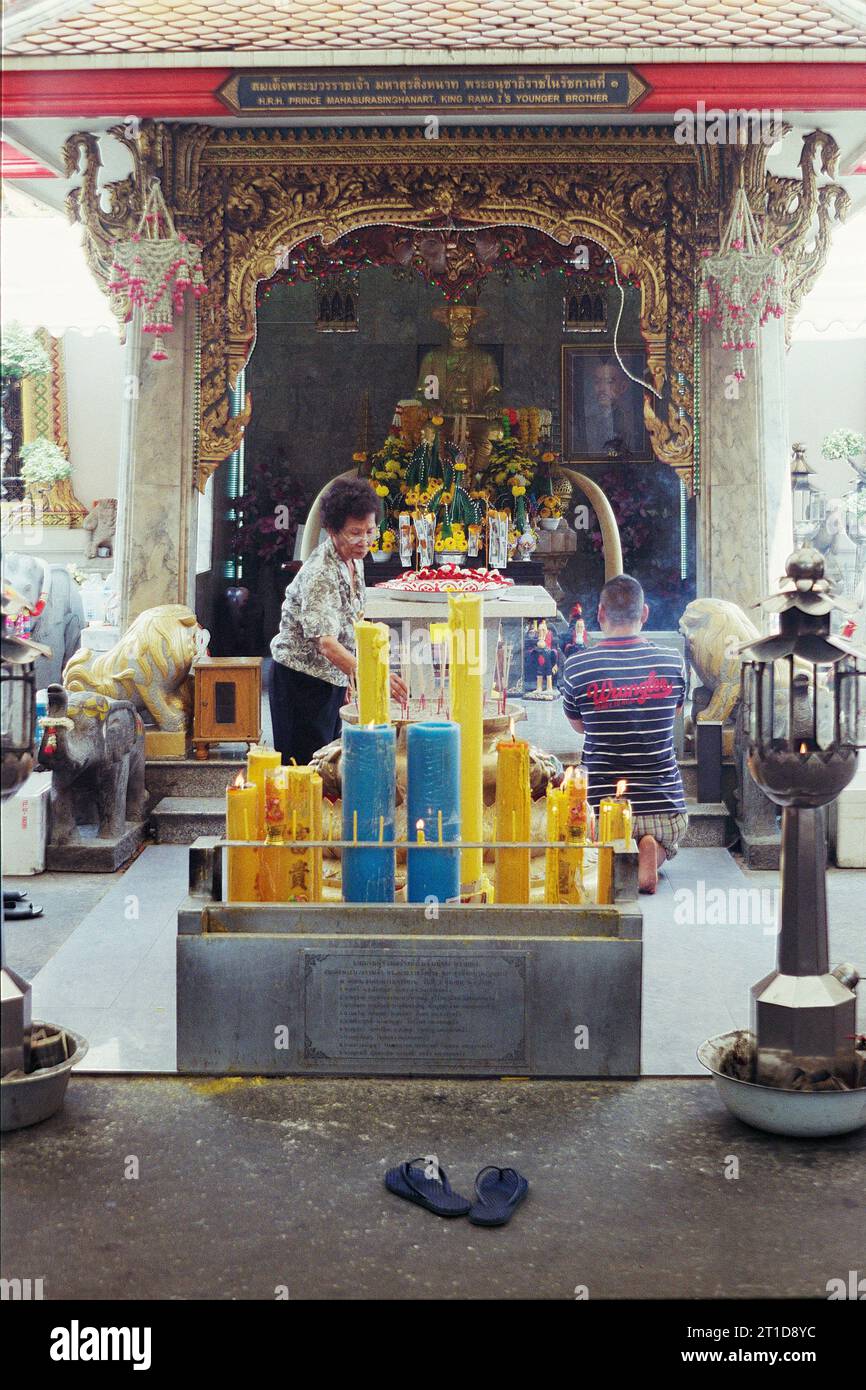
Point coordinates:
[[498, 1192]]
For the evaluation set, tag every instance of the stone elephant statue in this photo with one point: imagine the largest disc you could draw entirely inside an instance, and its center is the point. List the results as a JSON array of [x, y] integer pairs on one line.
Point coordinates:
[[94, 747]]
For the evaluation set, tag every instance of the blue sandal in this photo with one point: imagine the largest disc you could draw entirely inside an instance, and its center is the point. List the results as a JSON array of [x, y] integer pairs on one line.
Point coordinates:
[[432, 1193], [499, 1194]]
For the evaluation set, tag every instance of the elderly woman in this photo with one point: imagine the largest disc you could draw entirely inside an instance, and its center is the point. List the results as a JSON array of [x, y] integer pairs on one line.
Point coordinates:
[[314, 650]]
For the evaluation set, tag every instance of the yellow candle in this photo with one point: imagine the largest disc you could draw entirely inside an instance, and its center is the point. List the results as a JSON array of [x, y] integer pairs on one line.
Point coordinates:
[[466, 625], [439, 825], [301, 870], [242, 824], [551, 854], [316, 797], [604, 894], [512, 820], [293, 807], [372, 641], [615, 816], [420, 837], [259, 760], [274, 877], [574, 826]]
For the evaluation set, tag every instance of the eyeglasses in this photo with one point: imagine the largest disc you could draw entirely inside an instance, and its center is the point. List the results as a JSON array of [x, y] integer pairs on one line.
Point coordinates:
[[361, 535]]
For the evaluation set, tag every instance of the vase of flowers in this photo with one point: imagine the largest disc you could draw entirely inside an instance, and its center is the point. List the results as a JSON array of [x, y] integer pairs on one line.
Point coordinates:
[[383, 546]]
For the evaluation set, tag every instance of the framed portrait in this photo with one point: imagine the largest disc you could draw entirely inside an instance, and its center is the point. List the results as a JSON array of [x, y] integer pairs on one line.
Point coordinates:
[[602, 408]]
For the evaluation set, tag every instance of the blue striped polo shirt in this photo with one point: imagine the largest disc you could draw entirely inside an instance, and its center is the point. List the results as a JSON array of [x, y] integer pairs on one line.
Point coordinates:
[[626, 691]]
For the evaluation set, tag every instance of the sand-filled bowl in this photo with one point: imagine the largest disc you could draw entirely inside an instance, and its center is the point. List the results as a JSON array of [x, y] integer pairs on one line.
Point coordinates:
[[27, 1098], [800, 1114]]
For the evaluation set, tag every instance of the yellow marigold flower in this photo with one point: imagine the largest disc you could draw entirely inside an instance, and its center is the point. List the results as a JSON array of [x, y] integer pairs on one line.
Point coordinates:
[[437, 420], [359, 457], [382, 490]]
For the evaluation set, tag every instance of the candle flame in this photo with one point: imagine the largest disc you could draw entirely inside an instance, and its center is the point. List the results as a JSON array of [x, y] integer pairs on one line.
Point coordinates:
[[239, 780], [419, 825], [803, 748], [621, 786]]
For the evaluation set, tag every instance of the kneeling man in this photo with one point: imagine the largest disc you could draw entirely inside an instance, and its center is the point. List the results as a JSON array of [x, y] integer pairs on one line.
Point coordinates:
[[623, 693]]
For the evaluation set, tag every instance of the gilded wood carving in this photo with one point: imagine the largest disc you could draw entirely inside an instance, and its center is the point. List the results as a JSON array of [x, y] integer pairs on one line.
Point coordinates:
[[249, 196]]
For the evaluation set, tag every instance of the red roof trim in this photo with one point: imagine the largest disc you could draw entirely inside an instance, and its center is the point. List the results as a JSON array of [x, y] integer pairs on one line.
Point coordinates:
[[15, 165]]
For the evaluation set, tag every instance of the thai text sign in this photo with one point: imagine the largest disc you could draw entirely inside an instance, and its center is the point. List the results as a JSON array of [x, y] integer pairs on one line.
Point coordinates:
[[459, 90]]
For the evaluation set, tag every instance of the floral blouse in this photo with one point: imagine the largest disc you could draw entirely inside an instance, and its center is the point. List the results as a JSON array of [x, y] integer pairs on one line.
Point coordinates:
[[319, 602]]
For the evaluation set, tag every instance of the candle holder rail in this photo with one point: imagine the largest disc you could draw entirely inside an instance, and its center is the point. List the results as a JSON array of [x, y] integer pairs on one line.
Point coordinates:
[[206, 874]]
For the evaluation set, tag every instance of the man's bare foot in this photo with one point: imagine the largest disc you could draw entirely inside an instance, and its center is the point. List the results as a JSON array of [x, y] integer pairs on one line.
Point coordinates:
[[647, 864]]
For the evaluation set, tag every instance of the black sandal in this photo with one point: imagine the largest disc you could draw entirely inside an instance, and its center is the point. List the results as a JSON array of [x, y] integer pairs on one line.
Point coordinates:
[[433, 1193]]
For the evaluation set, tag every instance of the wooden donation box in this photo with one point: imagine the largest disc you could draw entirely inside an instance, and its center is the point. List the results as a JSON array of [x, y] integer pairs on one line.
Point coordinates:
[[228, 701]]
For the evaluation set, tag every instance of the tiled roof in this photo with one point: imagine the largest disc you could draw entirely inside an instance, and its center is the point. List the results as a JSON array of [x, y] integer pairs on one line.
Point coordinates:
[[120, 26]]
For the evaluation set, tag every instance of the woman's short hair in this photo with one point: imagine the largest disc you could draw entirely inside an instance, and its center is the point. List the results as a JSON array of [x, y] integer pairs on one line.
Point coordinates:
[[348, 497]]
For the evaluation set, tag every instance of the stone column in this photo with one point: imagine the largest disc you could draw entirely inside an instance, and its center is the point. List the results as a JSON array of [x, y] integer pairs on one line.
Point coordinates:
[[157, 501], [745, 523]]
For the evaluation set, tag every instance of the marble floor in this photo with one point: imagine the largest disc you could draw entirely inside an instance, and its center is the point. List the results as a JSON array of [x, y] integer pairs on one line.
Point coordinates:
[[111, 976]]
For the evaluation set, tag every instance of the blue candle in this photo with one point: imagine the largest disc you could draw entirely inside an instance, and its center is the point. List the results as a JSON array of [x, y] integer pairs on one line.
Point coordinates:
[[433, 800], [369, 774]]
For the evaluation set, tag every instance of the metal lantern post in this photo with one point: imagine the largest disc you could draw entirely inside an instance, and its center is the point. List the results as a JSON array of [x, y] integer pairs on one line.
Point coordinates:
[[808, 499], [17, 710], [804, 712], [35, 1058]]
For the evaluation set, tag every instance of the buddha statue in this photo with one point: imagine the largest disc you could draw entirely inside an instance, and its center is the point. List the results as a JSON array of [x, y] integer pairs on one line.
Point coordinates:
[[467, 376]]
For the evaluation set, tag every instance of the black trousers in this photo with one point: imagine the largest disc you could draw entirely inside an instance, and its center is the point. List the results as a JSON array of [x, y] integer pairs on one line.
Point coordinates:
[[305, 712]]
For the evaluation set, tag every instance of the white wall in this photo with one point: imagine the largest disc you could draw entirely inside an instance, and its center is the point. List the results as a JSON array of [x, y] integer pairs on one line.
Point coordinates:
[[827, 391], [94, 396]]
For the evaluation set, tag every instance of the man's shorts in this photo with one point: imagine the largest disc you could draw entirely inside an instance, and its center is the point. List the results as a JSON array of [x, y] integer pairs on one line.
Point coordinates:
[[666, 827]]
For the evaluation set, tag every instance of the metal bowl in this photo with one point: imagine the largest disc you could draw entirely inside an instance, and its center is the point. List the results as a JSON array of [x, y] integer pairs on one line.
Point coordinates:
[[28, 1099], [801, 1114]]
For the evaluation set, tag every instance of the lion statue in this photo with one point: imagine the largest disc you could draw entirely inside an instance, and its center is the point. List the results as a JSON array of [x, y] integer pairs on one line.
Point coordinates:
[[150, 666], [101, 522], [714, 630]]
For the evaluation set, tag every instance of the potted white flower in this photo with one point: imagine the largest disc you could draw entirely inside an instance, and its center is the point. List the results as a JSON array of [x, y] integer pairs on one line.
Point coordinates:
[[46, 470], [846, 444]]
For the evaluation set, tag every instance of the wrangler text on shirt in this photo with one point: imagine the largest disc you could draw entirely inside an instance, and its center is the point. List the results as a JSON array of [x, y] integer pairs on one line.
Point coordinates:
[[626, 692]]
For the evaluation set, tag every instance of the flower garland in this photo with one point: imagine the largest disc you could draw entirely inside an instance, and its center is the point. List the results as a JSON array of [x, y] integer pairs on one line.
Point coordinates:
[[155, 268], [743, 285]]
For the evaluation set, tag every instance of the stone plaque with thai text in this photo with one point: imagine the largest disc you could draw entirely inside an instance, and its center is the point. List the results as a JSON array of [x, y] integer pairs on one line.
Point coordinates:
[[414, 1007]]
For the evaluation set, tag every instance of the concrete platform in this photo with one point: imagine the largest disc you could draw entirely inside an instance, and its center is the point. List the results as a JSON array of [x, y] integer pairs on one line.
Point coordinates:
[[102, 959], [371, 989], [247, 1185]]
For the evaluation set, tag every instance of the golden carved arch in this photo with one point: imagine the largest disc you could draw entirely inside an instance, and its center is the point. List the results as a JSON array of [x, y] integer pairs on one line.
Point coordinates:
[[247, 196]]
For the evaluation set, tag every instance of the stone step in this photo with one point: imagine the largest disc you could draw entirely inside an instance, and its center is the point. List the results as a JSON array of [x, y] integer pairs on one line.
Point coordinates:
[[711, 825], [689, 773], [191, 778], [178, 820]]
